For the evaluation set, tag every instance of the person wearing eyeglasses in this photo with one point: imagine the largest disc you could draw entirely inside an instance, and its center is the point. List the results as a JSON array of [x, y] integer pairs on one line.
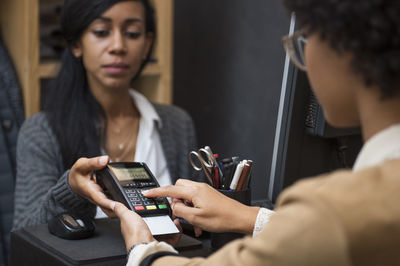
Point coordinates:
[[351, 52]]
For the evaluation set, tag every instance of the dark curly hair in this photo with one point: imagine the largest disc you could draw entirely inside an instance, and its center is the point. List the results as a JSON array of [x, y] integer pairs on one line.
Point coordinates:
[[368, 29]]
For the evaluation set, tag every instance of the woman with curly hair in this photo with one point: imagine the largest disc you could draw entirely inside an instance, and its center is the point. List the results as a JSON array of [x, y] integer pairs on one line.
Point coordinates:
[[352, 59]]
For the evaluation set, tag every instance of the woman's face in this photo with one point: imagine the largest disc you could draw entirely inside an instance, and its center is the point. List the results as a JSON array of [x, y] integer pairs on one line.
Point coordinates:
[[114, 46], [333, 82]]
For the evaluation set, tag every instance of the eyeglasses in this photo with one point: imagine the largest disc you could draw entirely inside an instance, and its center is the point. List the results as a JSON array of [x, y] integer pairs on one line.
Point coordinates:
[[294, 46]]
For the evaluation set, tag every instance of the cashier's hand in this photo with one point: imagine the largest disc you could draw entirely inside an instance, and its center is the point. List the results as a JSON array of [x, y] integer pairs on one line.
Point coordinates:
[[133, 228], [205, 207], [82, 181]]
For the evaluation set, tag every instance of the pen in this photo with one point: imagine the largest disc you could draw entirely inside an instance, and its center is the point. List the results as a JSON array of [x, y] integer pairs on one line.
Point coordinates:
[[216, 177], [229, 170], [234, 159], [236, 176], [243, 176], [248, 177]]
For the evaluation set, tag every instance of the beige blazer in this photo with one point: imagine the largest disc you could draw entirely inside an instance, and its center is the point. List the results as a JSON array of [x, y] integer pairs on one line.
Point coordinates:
[[343, 218]]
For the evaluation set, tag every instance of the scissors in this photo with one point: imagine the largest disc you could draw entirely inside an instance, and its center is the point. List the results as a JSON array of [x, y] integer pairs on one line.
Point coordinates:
[[206, 160]]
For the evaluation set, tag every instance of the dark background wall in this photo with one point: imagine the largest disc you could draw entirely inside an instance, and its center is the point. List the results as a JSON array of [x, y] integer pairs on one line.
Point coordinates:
[[228, 65]]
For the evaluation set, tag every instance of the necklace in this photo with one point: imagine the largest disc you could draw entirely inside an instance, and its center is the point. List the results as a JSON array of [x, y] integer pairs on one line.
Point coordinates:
[[121, 139]]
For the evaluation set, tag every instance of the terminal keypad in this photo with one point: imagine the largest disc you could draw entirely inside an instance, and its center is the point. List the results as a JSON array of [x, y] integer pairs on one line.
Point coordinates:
[[140, 202]]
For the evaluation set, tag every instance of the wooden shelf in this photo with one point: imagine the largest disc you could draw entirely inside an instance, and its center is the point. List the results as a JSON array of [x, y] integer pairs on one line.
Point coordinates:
[[19, 22], [152, 69], [48, 69]]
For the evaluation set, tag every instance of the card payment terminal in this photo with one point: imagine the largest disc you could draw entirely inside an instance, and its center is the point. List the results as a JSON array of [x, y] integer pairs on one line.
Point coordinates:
[[125, 181]]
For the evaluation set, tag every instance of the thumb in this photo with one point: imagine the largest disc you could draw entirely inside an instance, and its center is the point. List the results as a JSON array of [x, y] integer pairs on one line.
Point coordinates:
[[99, 162], [103, 160], [119, 208], [88, 165]]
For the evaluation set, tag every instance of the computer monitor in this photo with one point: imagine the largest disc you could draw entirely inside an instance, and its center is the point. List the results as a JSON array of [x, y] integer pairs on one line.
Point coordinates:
[[305, 145]]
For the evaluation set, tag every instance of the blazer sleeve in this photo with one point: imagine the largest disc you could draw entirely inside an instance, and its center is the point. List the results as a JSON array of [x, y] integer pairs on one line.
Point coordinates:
[[303, 232], [42, 188]]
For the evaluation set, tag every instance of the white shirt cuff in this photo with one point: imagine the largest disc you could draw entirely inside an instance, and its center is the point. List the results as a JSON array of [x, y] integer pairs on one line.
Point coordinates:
[[263, 217], [141, 251]]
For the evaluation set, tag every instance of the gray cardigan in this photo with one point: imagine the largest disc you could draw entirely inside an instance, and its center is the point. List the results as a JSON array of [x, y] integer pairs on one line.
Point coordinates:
[[42, 188]]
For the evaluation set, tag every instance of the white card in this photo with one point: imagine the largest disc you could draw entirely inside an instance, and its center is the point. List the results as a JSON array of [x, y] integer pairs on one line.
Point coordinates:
[[161, 225]]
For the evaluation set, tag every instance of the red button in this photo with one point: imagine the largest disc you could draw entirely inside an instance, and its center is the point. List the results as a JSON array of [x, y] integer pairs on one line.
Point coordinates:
[[139, 208]]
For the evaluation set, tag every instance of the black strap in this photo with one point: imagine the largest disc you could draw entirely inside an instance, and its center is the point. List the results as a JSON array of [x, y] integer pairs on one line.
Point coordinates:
[[12, 115], [11, 85], [7, 147], [152, 257], [11, 118], [3, 245]]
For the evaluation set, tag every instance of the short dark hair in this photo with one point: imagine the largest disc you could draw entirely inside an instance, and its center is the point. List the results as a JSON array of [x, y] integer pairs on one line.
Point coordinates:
[[368, 29], [74, 114]]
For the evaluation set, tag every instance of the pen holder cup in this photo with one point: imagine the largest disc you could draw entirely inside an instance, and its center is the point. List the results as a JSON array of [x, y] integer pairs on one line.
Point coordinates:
[[220, 239]]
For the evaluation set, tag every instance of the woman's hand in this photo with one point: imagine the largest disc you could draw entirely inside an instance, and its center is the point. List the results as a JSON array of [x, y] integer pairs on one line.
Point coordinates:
[[133, 228], [82, 181], [205, 207]]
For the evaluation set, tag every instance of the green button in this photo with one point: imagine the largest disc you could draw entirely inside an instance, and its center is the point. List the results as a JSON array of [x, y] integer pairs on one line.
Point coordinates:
[[162, 206]]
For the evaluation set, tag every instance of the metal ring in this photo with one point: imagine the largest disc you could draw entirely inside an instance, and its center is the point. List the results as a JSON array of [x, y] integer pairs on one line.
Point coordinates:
[[209, 162], [191, 160]]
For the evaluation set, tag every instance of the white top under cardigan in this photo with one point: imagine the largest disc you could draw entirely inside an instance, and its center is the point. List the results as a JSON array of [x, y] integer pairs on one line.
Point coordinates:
[[148, 144]]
